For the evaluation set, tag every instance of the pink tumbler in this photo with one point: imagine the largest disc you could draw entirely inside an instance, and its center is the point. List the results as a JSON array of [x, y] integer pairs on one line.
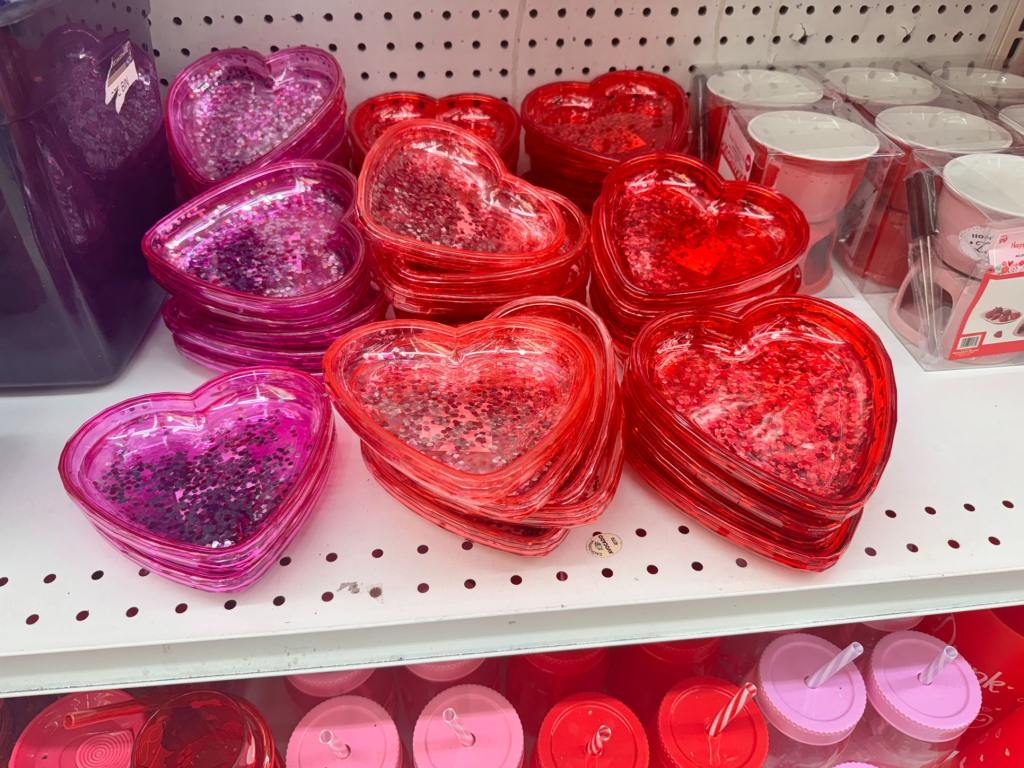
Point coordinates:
[[537, 681], [641, 675], [923, 696], [812, 697], [375, 684], [348, 730], [419, 683], [469, 726]]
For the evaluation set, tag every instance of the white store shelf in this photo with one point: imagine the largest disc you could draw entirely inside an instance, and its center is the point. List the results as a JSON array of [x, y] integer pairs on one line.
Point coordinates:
[[957, 444]]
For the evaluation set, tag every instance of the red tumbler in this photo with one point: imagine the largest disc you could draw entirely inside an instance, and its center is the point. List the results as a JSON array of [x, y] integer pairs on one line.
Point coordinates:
[[641, 675], [537, 681], [590, 730]]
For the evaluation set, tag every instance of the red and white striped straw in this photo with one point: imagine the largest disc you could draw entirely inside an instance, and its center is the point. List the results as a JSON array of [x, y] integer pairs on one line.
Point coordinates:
[[601, 736], [939, 663], [733, 708], [840, 660]]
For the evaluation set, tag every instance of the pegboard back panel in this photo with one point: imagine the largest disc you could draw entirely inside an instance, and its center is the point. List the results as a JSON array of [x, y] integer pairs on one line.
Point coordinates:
[[507, 47]]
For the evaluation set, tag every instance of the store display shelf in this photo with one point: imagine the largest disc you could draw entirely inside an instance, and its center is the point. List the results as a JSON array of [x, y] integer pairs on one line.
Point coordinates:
[[369, 583]]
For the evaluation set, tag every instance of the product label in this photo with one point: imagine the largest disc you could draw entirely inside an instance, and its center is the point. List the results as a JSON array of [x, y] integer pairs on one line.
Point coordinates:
[[121, 76], [604, 544], [974, 242], [1006, 252], [736, 156], [994, 323]]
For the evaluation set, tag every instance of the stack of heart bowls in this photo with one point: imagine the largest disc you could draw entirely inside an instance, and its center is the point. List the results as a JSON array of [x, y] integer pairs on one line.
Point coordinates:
[[576, 132], [493, 120], [454, 234], [505, 431], [206, 488], [770, 425], [265, 269], [669, 234], [236, 110]]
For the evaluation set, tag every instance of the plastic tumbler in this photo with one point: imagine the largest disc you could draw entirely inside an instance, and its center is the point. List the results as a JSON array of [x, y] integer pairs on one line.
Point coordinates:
[[1000, 746], [922, 695], [641, 675], [812, 696], [591, 730], [419, 683], [468, 726], [687, 713], [537, 681], [856, 765], [350, 731], [375, 684]]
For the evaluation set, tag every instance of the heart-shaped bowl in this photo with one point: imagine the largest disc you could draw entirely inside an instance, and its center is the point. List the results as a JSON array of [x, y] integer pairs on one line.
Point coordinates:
[[482, 412], [442, 195], [236, 109], [276, 243], [493, 120], [214, 475], [793, 397], [593, 126]]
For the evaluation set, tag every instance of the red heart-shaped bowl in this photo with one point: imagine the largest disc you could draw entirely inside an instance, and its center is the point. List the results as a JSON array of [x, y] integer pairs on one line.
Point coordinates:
[[481, 413], [442, 195], [593, 126], [493, 120], [219, 479], [794, 398], [276, 242], [237, 109]]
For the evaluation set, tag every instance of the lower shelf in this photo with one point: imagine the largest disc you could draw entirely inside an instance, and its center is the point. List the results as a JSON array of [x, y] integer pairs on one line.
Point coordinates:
[[368, 583]]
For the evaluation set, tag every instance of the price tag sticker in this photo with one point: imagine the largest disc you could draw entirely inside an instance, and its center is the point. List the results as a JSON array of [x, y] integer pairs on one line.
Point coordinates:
[[121, 76]]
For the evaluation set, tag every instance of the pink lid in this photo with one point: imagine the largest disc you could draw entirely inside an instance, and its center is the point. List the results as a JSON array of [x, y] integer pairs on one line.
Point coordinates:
[[937, 712], [446, 671], [358, 729], [856, 765], [895, 625], [45, 743], [819, 716], [326, 685], [496, 731]]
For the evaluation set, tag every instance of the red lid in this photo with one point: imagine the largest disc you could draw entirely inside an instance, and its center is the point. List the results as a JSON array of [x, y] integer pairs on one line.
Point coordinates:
[[682, 651], [686, 713], [568, 662], [571, 725]]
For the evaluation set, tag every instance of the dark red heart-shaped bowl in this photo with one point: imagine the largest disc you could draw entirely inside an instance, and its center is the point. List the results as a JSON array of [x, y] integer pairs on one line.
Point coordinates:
[[214, 474], [276, 243], [482, 412], [443, 195], [794, 397], [236, 109], [493, 120], [669, 232], [592, 126]]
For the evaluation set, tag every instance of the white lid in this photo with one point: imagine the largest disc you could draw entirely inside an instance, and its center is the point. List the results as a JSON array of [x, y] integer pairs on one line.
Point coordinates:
[[991, 182], [942, 129], [764, 88], [1013, 117], [813, 136], [981, 83], [883, 86]]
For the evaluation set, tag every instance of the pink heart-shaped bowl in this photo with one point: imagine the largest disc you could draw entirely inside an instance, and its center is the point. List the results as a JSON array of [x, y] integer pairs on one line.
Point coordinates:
[[794, 398], [493, 120], [236, 109], [593, 126], [275, 243], [440, 194], [482, 413], [219, 477]]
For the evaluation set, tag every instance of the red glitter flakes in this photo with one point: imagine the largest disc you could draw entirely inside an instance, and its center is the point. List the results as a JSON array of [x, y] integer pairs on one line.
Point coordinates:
[[772, 427]]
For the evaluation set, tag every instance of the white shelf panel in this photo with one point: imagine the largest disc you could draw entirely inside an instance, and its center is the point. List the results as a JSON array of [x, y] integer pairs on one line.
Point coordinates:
[[954, 481]]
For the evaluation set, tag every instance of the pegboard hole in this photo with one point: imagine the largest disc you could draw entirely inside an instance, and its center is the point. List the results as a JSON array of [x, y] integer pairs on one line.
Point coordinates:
[[641, 532], [331, 557], [32, 619], [931, 38], [729, 10], [697, 565], [376, 592], [230, 605], [607, 572], [238, 19], [941, 9], [969, 507], [268, 18], [327, 597], [516, 579], [618, 12], [207, 20], [870, 551], [741, 562], [96, 575], [423, 549], [469, 584], [891, 513], [328, 16], [854, 38], [177, 21], [837, 9], [930, 510], [915, 10], [561, 13], [953, 544], [3, 581], [697, 40], [652, 569], [683, 529], [994, 541], [81, 616], [702, 11], [562, 576], [1008, 504], [388, 16], [143, 572], [279, 601], [377, 554], [913, 548], [357, 16], [968, 9], [47, 579], [467, 545], [181, 607], [958, 37], [423, 588], [285, 561], [132, 612]]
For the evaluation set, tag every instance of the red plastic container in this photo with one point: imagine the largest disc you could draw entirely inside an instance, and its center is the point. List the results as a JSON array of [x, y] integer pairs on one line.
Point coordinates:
[[611, 731], [641, 675], [537, 681]]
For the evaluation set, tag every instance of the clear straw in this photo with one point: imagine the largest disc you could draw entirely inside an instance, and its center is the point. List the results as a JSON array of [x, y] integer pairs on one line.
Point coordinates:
[[451, 719], [840, 660], [946, 656], [341, 751]]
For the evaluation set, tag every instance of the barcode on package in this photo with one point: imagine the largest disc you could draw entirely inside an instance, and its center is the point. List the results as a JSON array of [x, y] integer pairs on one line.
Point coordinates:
[[969, 342]]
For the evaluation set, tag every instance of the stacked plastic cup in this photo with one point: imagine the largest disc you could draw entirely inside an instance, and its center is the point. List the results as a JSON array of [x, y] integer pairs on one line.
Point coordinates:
[[348, 730], [375, 684], [641, 675], [236, 110], [537, 681], [589, 730], [468, 726], [419, 683], [922, 695]]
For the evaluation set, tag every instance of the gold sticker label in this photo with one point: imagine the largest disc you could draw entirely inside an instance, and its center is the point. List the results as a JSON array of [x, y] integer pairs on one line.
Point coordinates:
[[604, 544]]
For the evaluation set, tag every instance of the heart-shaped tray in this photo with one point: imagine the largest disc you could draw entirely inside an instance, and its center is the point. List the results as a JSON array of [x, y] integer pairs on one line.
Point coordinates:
[[480, 413], [235, 109], [493, 120], [217, 473], [794, 397], [598, 124], [276, 242], [439, 193]]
